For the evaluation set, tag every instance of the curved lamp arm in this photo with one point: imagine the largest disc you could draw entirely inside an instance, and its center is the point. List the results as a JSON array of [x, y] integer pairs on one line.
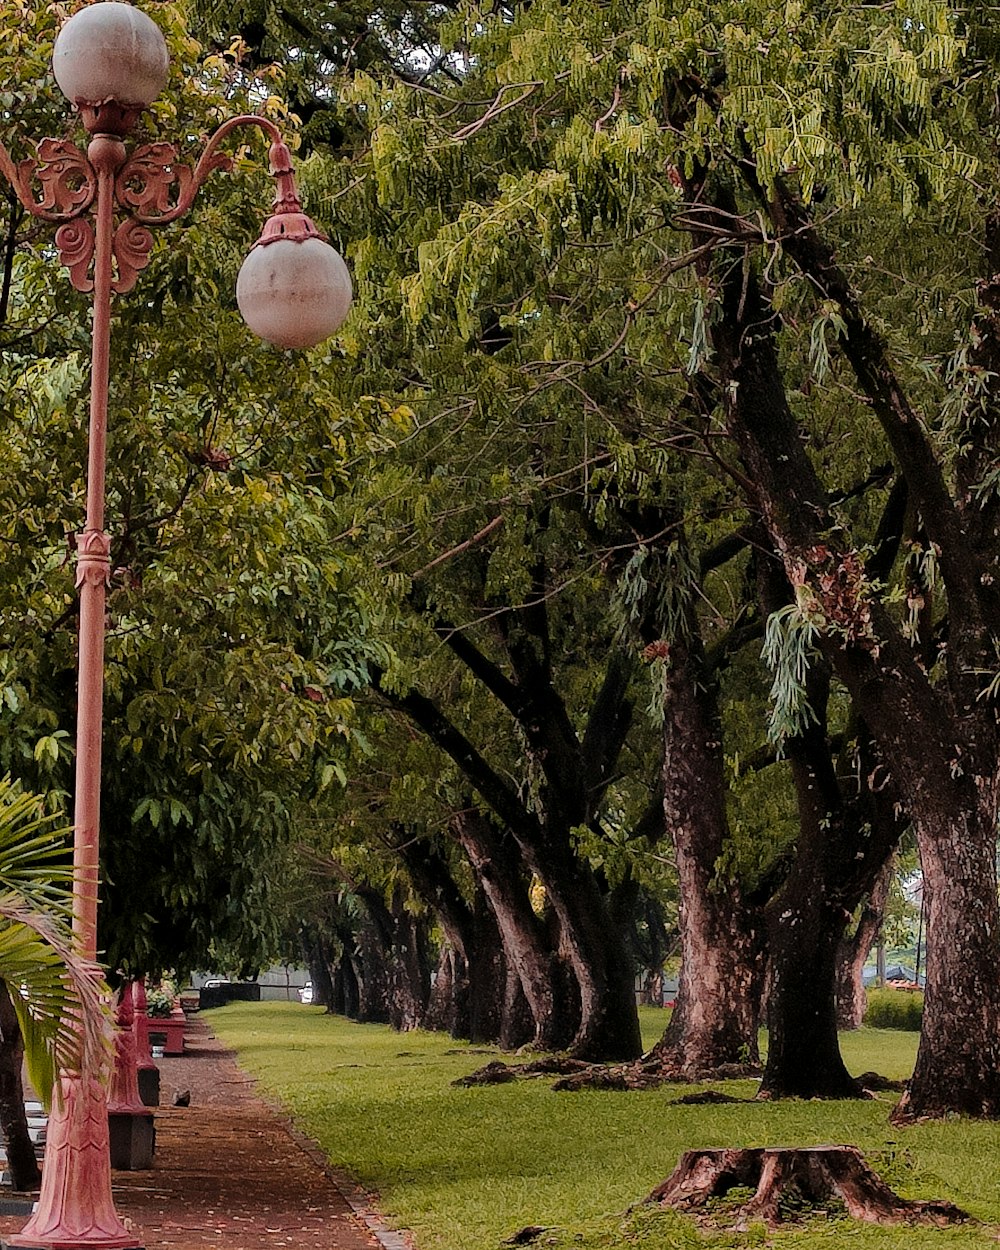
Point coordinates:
[[151, 186], [145, 181]]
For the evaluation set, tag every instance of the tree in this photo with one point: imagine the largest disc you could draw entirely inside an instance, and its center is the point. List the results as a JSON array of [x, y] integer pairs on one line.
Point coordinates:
[[726, 106], [934, 728], [652, 246]]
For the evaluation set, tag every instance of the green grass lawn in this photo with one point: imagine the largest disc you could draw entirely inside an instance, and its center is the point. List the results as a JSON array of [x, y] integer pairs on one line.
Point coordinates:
[[465, 1168]]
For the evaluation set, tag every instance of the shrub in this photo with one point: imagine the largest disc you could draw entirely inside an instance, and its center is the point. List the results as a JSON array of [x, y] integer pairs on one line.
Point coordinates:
[[160, 999], [894, 1009]]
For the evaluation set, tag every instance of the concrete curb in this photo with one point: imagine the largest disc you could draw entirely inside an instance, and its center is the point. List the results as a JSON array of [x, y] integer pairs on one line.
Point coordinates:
[[360, 1201]]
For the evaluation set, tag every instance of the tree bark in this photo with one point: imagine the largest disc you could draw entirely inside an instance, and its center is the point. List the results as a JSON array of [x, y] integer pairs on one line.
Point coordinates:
[[814, 1176], [473, 955], [409, 971], [317, 957], [517, 1025], [852, 999], [958, 1059], [373, 978], [496, 862], [24, 1170], [487, 975], [443, 1005], [347, 980], [714, 1023], [594, 949]]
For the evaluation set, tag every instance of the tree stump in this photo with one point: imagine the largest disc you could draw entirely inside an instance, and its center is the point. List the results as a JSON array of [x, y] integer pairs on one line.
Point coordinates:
[[784, 1178]]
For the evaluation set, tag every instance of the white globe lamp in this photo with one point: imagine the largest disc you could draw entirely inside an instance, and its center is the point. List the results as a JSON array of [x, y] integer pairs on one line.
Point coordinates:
[[111, 51], [293, 291]]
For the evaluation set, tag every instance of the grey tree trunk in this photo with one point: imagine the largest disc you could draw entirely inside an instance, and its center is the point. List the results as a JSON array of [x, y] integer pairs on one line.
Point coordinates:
[[714, 1023], [852, 1000]]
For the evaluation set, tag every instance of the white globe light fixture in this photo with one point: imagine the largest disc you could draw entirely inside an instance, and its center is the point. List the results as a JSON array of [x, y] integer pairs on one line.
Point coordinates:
[[294, 292], [293, 289], [110, 52]]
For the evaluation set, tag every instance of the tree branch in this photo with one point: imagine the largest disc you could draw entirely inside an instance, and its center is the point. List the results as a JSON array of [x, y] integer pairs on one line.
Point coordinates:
[[490, 786], [868, 356]]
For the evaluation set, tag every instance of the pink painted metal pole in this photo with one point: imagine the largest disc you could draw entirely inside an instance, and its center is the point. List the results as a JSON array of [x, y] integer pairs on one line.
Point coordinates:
[[107, 155], [75, 1207]]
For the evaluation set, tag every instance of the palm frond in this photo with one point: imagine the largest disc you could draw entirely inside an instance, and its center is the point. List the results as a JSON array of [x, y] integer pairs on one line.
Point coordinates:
[[61, 999]]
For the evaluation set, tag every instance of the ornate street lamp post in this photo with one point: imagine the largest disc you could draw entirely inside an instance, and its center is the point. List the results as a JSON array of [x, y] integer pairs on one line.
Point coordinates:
[[110, 60]]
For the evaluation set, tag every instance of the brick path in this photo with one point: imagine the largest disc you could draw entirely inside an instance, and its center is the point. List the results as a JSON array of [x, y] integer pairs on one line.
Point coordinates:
[[230, 1173]]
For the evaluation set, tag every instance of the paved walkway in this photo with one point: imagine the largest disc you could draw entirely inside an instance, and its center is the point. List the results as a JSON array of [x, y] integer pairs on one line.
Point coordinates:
[[230, 1173]]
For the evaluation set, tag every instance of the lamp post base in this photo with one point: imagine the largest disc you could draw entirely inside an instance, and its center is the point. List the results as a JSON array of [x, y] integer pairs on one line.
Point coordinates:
[[75, 1243], [133, 1140], [75, 1207]]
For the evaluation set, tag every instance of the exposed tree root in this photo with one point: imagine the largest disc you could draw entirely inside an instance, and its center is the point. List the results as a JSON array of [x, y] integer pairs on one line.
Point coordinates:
[[878, 1083], [707, 1096], [555, 1065], [785, 1181], [495, 1073], [594, 1078], [525, 1236], [575, 1074]]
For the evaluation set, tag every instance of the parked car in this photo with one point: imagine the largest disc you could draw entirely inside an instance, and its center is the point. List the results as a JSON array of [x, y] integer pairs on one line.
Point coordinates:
[[306, 993]]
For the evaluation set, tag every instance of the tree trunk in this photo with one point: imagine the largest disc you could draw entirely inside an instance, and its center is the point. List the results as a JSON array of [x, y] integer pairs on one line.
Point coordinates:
[[443, 1005], [517, 1025], [846, 835], [487, 974], [347, 983], [851, 957], [609, 1020], [714, 1023], [474, 972], [317, 957], [432, 879], [840, 851], [577, 773], [409, 973], [958, 1060], [495, 860], [401, 945], [803, 1054], [784, 1177], [373, 981], [21, 1159]]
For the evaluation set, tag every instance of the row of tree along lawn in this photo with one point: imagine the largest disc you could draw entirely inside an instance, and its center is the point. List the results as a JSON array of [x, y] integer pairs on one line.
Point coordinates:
[[625, 576], [687, 554]]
